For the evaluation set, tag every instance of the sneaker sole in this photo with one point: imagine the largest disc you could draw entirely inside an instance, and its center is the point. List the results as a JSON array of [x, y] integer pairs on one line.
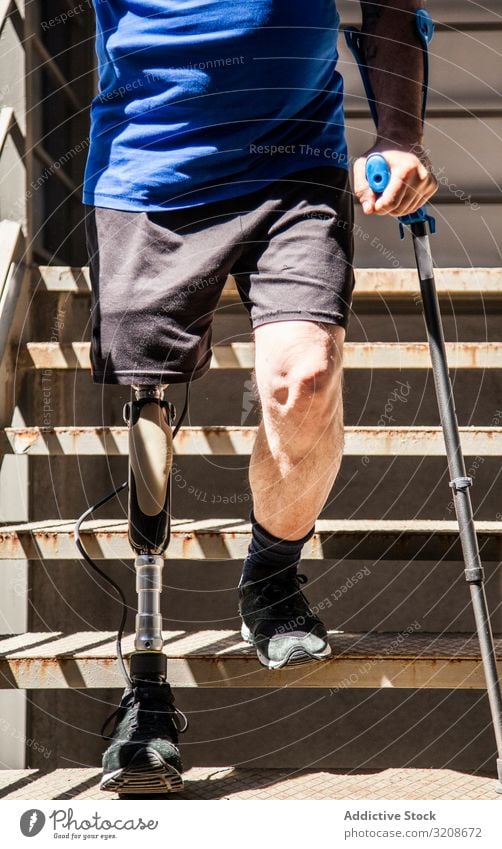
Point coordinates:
[[156, 776], [295, 657]]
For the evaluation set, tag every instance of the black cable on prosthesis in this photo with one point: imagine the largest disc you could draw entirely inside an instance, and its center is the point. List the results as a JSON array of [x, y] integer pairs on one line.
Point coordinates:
[[88, 559]]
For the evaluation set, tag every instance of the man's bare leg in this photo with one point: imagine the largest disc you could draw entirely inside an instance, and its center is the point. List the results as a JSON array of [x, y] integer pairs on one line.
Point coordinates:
[[294, 463], [299, 444]]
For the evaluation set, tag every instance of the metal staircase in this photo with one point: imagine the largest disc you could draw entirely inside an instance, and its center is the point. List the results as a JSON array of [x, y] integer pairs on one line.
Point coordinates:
[[412, 657]]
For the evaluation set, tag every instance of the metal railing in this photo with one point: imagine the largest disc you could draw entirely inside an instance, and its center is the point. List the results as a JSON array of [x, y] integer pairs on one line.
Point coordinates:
[[13, 265]]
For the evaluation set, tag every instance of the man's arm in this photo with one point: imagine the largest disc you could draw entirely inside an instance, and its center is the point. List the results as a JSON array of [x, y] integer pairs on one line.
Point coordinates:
[[393, 54]]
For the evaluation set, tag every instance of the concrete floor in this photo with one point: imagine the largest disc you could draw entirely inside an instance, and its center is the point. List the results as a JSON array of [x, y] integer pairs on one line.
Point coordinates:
[[231, 783]]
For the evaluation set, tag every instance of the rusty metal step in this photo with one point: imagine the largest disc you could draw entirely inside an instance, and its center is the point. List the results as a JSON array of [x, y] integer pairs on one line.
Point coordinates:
[[228, 539], [407, 659], [227, 441], [372, 284], [240, 355]]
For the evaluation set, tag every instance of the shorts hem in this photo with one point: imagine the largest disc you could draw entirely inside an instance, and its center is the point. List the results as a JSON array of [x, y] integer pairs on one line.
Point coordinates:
[[302, 315], [143, 378]]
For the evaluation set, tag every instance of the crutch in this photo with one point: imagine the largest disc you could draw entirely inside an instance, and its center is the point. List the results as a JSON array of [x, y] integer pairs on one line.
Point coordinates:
[[419, 222]]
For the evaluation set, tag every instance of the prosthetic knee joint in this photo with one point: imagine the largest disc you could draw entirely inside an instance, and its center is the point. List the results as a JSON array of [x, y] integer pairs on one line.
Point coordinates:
[[149, 418]]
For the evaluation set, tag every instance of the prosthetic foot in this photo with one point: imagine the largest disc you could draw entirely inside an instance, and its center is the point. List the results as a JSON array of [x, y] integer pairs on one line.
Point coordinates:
[[143, 756]]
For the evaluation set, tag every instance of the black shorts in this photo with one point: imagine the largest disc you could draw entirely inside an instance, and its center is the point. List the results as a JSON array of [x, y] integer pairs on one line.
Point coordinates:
[[157, 276]]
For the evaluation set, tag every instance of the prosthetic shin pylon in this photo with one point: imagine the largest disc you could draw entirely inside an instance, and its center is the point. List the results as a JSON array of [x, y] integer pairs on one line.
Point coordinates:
[[149, 418]]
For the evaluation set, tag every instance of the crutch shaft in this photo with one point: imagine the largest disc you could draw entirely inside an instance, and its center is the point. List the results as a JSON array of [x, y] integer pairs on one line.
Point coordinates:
[[460, 483]]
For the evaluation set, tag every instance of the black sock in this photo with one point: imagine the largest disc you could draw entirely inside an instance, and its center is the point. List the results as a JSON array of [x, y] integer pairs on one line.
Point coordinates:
[[269, 555]]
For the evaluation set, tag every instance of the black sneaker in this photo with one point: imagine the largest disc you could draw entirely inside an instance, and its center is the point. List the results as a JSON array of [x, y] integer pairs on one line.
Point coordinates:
[[143, 756], [277, 620]]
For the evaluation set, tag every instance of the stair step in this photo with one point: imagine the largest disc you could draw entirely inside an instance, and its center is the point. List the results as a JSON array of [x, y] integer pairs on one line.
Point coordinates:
[[228, 539], [240, 355], [223, 440], [407, 659], [372, 284]]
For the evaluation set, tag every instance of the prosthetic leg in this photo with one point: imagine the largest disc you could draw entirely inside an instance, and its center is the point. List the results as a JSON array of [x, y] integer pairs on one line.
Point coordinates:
[[143, 756], [149, 418]]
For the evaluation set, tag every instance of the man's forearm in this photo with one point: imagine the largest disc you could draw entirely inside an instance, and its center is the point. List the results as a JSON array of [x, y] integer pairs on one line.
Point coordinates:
[[394, 58]]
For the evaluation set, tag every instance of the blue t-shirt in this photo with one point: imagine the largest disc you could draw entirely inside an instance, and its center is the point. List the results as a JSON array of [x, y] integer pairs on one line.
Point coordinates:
[[207, 100]]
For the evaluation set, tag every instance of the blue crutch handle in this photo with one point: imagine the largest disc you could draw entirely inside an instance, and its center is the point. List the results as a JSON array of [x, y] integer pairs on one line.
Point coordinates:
[[377, 172], [378, 177]]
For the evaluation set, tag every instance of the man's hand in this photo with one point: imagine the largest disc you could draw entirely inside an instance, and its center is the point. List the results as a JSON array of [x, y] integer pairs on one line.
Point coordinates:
[[410, 186]]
